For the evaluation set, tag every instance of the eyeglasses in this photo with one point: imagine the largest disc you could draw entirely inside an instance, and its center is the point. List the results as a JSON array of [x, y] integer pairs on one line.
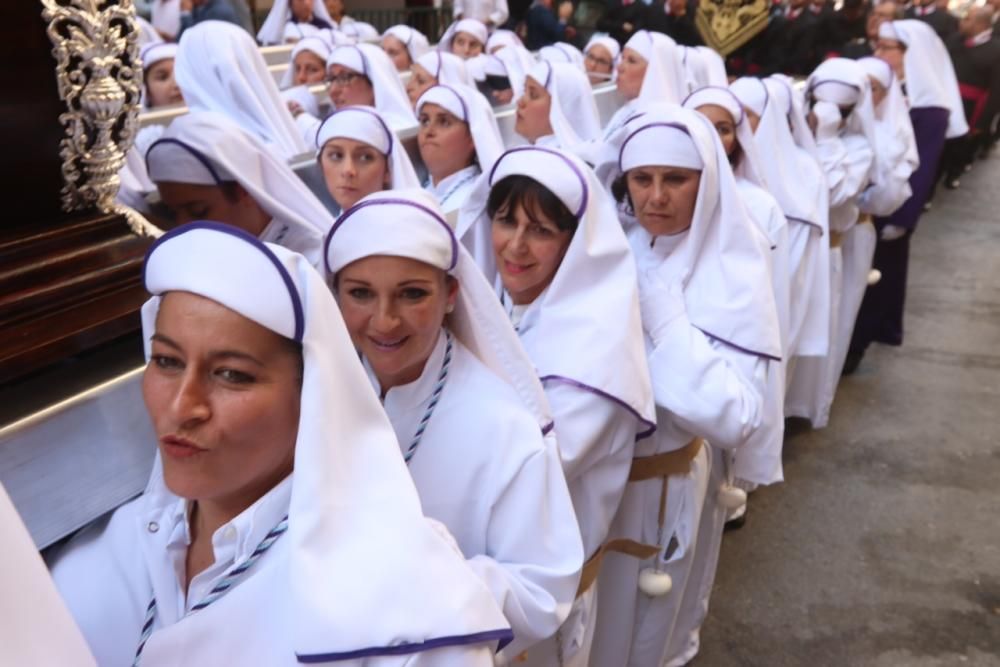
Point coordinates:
[[888, 47], [344, 79], [604, 62]]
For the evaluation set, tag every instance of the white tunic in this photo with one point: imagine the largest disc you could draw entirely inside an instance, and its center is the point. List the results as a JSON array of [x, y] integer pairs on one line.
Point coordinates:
[[703, 388], [108, 573], [452, 191], [487, 11], [482, 469]]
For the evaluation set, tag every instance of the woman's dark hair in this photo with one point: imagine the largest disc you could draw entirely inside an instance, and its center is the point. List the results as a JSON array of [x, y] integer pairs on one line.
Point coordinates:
[[619, 190], [536, 200], [736, 155]]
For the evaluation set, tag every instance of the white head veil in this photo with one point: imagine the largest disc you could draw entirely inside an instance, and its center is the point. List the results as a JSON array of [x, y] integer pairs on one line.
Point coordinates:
[[219, 68], [151, 54], [472, 27], [665, 76], [147, 33], [573, 111], [896, 143], [786, 96], [844, 82], [353, 506], [315, 45], [204, 148], [721, 263], [613, 47], [273, 30], [503, 38], [930, 75], [390, 96], [468, 105], [749, 166], [166, 16], [366, 125], [446, 68], [561, 52], [409, 223], [37, 627], [415, 41], [802, 201], [293, 32], [579, 318]]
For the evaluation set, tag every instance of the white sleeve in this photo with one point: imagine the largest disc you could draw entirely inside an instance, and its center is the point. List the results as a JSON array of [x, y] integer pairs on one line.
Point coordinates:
[[596, 443], [308, 126], [476, 655], [500, 13], [710, 388], [536, 555]]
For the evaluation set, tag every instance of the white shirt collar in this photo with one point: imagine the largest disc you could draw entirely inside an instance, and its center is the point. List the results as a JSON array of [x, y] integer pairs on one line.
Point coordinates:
[[982, 37]]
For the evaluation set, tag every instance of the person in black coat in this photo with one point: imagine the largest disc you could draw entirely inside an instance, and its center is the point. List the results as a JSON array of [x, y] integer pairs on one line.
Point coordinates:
[[675, 19], [544, 27], [864, 46], [622, 19], [944, 22], [798, 38]]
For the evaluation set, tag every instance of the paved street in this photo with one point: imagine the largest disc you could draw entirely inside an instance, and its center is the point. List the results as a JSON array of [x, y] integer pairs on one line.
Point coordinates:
[[883, 546]]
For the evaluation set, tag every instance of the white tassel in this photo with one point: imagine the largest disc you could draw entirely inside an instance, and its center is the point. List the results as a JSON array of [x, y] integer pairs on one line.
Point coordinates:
[[732, 497], [654, 583]]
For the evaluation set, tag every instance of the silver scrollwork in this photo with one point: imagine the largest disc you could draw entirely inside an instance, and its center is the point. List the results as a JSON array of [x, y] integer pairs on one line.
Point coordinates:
[[95, 44]]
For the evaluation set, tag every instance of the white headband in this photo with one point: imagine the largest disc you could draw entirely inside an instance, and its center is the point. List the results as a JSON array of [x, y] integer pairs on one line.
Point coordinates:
[[350, 57], [662, 144], [751, 92], [472, 27], [362, 124], [154, 53], [720, 97], [447, 98], [548, 167], [173, 161]]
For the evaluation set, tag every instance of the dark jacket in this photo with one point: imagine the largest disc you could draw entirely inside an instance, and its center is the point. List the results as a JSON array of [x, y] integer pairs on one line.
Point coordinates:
[[978, 71], [798, 38], [543, 28], [230, 11], [945, 24], [617, 15], [681, 29]]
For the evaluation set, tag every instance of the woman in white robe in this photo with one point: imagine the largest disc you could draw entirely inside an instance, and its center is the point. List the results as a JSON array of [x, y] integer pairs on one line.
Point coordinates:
[[712, 340], [466, 38], [231, 558], [374, 67], [35, 626], [557, 108], [307, 65], [464, 401], [600, 58], [159, 87], [283, 14], [359, 154], [206, 167], [436, 68], [404, 45], [458, 140], [758, 461], [562, 52], [797, 182], [845, 139], [650, 71], [579, 322], [219, 68]]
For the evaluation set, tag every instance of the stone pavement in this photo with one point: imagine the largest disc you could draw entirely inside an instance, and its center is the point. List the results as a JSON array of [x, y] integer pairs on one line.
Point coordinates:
[[883, 546]]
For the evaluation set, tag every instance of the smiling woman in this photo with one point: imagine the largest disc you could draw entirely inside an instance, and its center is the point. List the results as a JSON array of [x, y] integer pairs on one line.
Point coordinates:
[[272, 468], [451, 373]]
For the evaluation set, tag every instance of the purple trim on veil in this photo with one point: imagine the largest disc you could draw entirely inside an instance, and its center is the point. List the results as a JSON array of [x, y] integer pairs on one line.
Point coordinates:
[[583, 181], [371, 112], [806, 222], [293, 293], [399, 202], [503, 637], [675, 126], [461, 100], [193, 151], [739, 105], [650, 426], [744, 350]]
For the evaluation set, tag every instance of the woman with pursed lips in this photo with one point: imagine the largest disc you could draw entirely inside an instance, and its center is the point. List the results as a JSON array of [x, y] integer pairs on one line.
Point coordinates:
[[436, 68], [557, 108], [458, 139], [462, 396], [359, 154], [277, 491], [650, 71], [713, 338], [547, 232], [404, 45]]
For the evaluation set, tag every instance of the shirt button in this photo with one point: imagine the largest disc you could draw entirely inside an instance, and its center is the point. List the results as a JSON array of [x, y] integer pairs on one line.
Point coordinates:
[[152, 526]]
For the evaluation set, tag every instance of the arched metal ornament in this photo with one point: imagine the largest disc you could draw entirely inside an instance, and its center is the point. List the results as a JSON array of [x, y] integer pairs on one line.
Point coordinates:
[[95, 44], [726, 25]]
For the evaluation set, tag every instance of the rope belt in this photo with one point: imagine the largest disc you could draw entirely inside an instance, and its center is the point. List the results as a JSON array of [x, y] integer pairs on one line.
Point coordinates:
[[658, 466], [836, 238]]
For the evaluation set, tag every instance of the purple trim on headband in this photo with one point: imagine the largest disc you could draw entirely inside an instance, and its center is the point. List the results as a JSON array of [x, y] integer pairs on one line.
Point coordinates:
[[503, 637], [583, 181], [816, 84], [675, 126], [559, 47], [650, 426], [461, 100], [196, 153], [806, 222], [548, 428], [153, 47], [364, 58], [548, 74], [763, 355], [243, 236], [739, 105], [370, 112], [402, 202], [437, 72]]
